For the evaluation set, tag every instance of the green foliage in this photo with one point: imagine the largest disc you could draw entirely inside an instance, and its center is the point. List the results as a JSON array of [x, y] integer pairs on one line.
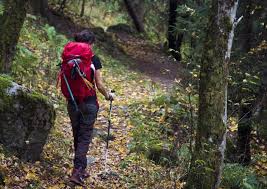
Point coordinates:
[[25, 62], [1, 7], [261, 126], [99, 13], [5, 83], [245, 78], [38, 53], [156, 19], [192, 21], [55, 45], [157, 124], [236, 176], [249, 50]]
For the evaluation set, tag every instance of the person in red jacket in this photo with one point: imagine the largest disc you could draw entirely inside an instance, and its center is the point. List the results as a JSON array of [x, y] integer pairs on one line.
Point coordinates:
[[82, 121]]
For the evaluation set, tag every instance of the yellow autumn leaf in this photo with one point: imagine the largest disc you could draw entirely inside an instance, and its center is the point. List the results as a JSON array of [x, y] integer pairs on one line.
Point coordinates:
[[162, 119], [57, 186], [31, 176]]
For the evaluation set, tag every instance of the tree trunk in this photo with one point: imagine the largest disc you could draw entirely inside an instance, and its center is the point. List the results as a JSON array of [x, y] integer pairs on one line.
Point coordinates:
[[174, 40], [138, 22], [245, 114], [11, 23], [39, 7], [62, 6], [82, 10], [243, 139], [208, 156], [34, 7], [246, 32]]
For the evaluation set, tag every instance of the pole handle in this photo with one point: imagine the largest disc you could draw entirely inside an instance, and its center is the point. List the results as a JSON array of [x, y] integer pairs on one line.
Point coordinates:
[[112, 92]]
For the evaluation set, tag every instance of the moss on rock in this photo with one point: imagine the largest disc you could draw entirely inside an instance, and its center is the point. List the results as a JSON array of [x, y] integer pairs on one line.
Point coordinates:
[[26, 118], [5, 83]]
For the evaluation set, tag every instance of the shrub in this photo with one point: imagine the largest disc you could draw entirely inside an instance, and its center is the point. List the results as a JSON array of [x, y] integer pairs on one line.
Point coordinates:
[[236, 176]]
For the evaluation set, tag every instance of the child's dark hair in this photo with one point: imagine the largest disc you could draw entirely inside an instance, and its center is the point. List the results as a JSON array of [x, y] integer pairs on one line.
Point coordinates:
[[85, 36]]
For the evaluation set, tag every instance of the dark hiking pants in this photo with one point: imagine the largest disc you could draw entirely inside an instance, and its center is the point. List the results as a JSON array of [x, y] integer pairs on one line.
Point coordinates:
[[82, 127]]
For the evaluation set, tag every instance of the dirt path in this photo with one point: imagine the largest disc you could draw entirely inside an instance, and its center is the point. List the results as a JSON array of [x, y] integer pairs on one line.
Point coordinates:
[[141, 55], [130, 93], [148, 66], [135, 69], [149, 59]]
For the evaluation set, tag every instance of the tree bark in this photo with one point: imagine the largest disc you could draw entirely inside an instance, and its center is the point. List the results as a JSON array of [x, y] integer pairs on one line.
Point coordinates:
[[138, 22], [34, 6], [174, 39], [11, 23], [39, 7], [83, 7], [208, 156], [62, 5]]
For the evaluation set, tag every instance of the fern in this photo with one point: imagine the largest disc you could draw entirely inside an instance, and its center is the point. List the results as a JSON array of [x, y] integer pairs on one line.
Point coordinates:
[[50, 31]]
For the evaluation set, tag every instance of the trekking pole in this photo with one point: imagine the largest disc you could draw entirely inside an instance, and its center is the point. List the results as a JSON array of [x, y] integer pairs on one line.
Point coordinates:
[[109, 122], [70, 92], [108, 135]]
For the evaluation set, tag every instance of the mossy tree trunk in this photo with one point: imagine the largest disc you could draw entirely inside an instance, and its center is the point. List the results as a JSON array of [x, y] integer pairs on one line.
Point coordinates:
[[11, 23], [208, 155], [136, 12]]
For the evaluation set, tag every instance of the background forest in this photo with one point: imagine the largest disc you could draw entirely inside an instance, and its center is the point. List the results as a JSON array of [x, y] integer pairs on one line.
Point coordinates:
[[186, 113]]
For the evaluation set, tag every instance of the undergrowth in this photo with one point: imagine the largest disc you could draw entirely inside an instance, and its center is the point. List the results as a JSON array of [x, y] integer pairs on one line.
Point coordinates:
[[161, 122], [35, 67]]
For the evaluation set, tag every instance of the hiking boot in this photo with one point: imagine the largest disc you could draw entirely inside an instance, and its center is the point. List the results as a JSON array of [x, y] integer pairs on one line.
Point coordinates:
[[85, 174], [76, 177]]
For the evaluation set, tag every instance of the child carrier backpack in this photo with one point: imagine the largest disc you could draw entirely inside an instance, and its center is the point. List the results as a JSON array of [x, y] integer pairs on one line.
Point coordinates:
[[75, 75]]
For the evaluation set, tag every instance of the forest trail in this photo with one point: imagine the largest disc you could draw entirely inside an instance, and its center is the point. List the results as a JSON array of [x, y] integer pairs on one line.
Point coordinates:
[[131, 87], [149, 59], [162, 107], [121, 130], [141, 82], [136, 52]]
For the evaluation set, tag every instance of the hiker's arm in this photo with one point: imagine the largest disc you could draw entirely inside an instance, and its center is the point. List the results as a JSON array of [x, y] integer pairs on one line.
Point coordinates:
[[100, 86]]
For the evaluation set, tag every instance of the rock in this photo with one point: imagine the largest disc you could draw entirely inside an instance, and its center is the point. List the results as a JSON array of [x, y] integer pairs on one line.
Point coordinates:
[[106, 41], [98, 132], [100, 33], [26, 118], [90, 160], [119, 28]]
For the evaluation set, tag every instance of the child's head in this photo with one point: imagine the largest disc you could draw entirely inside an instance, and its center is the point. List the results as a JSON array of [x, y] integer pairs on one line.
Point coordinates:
[[85, 36]]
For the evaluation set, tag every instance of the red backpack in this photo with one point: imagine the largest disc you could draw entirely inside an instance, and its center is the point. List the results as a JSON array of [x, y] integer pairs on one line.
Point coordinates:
[[79, 81]]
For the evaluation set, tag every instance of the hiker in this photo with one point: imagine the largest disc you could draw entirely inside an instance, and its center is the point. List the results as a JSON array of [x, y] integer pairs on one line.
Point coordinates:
[[81, 68]]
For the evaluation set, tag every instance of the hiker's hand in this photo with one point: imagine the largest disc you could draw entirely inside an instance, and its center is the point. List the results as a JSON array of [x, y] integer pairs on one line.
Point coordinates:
[[110, 96]]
